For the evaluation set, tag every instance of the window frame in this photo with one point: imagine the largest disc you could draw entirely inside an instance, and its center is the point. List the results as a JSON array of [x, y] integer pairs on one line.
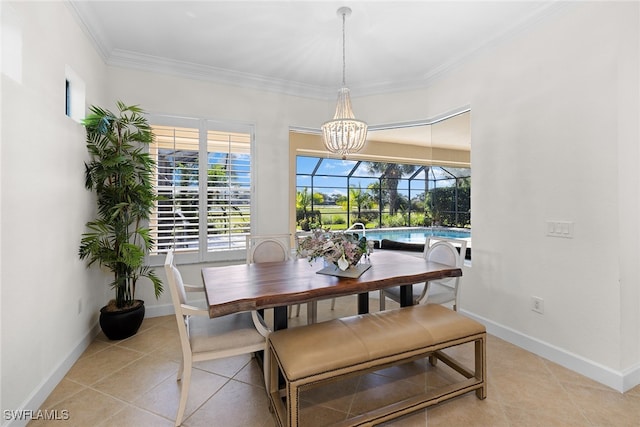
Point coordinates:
[[203, 125]]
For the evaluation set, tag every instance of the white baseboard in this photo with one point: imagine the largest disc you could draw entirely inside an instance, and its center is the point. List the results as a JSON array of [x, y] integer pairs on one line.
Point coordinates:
[[631, 377], [158, 310], [620, 381]]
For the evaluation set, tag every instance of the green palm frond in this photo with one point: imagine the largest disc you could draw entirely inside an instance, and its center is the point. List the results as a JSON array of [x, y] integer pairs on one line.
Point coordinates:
[[120, 171]]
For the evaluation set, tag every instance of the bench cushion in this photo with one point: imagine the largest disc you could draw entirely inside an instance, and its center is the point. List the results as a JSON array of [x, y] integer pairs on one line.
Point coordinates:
[[358, 339]]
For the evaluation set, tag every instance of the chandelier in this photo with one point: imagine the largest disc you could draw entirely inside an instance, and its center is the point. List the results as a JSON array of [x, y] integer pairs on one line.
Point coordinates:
[[344, 134]]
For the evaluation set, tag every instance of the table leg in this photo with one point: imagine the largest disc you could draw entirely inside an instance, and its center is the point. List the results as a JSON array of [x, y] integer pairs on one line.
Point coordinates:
[[312, 312], [406, 295], [363, 303], [280, 317], [280, 321]]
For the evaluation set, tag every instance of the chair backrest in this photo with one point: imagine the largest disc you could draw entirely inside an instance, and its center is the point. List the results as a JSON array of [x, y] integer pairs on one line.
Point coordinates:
[[445, 251], [268, 248], [176, 285], [179, 298], [442, 250]]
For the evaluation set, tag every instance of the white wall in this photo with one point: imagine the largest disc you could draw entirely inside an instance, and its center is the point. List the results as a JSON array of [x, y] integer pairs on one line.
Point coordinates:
[[555, 135], [44, 203], [550, 136], [554, 121]]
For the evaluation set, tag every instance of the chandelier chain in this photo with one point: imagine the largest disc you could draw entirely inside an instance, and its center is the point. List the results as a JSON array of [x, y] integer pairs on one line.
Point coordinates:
[[344, 56]]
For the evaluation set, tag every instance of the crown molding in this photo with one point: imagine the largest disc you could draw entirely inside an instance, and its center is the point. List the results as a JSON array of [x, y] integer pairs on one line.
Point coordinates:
[[128, 59], [89, 28], [155, 64]]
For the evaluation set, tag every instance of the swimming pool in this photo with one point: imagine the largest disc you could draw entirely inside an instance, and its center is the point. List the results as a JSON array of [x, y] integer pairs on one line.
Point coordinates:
[[416, 235]]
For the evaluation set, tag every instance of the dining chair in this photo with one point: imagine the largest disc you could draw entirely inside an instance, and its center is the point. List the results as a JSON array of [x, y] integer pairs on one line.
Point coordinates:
[[270, 248], [444, 251], [204, 338], [300, 235]]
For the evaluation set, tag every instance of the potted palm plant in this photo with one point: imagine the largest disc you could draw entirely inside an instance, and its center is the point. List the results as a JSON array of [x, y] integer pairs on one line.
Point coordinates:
[[120, 173]]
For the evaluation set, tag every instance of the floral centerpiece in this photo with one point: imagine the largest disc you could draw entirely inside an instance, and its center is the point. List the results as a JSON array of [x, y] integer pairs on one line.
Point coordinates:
[[344, 250]]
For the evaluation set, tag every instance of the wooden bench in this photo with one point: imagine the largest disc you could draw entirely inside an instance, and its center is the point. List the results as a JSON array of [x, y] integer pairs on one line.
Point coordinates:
[[315, 354]]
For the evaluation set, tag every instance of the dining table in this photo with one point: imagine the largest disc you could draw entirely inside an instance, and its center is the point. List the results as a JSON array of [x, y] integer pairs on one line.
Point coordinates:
[[245, 287]]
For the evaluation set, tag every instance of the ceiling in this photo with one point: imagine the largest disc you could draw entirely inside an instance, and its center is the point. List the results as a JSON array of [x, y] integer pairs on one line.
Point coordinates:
[[296, 46]]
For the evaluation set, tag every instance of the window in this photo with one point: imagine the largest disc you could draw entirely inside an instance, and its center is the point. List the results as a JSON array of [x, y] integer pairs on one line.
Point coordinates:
[[74, 95], [336, 193], [204, 183], [67, 98]]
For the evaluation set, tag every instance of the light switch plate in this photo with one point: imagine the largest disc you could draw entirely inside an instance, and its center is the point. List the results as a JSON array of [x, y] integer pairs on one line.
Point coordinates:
[[560, 229]]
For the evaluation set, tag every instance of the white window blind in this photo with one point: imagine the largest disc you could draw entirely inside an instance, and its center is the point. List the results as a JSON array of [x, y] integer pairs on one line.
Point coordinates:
[[204, 184], [228, 189]]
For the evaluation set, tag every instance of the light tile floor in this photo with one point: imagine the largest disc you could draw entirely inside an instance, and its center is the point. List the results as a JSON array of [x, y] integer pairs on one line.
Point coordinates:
[[133, 383]]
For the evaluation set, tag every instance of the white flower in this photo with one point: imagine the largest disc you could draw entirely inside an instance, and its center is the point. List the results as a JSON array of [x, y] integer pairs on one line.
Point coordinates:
[[340, 249], [343, 264]]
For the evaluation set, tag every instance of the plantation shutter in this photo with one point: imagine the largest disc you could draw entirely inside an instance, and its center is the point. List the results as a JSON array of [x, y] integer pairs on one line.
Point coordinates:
[[177, 217], [228, 189], [204, 186]]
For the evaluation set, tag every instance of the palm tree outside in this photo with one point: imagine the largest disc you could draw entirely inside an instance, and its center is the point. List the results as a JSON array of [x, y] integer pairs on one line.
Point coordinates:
[[390, 174]]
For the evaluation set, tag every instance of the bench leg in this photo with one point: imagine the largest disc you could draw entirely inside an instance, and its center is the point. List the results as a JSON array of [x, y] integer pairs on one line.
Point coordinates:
[[433, 360], [292, 404], [276, 406], [481, 366], [286, 413]]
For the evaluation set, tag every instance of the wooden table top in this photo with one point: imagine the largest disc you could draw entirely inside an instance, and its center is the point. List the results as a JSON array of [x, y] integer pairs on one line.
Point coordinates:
[[243, 287]]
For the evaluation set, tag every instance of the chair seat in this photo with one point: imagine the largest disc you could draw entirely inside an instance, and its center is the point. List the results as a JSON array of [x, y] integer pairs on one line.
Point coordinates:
[[439, 293], [223, 333]]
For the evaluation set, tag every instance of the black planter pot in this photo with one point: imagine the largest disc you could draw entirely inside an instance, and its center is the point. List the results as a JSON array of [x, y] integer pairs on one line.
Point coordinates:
[[118, 325]]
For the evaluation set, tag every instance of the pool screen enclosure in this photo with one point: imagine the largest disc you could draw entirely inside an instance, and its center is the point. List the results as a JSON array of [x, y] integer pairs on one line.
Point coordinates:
[[336, 193]]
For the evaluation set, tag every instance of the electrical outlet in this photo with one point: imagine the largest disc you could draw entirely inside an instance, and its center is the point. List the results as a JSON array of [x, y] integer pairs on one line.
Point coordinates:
[[537, 305]]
